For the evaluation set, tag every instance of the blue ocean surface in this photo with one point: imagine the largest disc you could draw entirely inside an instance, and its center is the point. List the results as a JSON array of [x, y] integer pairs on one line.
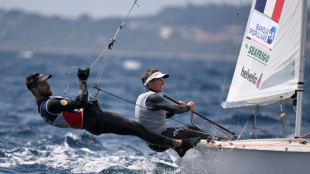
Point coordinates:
[[29, 145]]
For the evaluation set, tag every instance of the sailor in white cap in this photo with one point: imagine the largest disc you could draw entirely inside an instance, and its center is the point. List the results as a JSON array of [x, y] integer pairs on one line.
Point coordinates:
[[152, 110]]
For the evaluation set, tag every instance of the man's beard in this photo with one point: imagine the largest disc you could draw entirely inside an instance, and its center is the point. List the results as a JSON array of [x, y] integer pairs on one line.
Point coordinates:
[[45, 93]]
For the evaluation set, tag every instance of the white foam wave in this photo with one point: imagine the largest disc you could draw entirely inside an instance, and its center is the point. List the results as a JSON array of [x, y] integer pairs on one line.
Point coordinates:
[[84, 160]]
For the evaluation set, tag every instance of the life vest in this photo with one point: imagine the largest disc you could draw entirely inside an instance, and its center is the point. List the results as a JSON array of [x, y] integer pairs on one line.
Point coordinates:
[[153, 120]]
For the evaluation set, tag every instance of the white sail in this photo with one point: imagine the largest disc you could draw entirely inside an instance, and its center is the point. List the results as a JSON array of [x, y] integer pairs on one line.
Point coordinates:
[[268, 67]]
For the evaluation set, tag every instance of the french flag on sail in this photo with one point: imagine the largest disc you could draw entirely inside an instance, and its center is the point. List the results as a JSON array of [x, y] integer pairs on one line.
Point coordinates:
[[271, 8]]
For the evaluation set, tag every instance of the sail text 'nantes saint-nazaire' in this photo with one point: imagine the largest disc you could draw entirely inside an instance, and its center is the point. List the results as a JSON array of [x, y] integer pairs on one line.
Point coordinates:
[[258, 54], [248, 76]]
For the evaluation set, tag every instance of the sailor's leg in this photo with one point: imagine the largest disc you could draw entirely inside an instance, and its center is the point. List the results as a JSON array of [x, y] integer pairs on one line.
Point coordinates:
[[184, 133], [108, 122]]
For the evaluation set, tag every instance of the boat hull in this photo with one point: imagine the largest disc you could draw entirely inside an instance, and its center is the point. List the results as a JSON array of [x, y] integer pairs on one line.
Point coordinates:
[[248, 157]]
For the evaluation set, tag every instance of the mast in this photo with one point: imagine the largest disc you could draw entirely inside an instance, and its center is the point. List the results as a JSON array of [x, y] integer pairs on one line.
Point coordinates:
[[301, 70]]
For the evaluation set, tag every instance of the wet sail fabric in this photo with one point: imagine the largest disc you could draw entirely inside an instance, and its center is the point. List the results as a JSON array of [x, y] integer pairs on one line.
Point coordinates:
[[268, 65]]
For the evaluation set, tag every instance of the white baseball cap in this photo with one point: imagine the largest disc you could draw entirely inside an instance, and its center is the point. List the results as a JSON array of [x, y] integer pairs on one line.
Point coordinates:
[[155, 75]]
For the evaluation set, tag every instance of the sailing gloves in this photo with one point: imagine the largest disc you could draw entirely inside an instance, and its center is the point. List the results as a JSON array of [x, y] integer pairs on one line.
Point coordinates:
[[83, 74]]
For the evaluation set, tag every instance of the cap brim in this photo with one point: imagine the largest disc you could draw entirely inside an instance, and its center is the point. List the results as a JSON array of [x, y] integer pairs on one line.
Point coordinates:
[[43, 78], [166, 76], [161, 75]]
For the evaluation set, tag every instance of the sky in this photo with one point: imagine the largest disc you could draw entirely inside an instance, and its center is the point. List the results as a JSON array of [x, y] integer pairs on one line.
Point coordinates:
[[102, 8]]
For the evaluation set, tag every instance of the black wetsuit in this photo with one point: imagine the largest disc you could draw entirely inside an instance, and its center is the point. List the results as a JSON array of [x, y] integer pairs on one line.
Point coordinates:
[[81, 114]]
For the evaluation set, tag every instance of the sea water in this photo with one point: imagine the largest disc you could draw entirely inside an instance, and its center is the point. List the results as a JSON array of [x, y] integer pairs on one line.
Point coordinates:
[[29, 145]]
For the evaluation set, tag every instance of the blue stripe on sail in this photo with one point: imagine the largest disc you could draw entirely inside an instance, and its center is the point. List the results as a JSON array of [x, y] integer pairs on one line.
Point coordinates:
[[260, 5]]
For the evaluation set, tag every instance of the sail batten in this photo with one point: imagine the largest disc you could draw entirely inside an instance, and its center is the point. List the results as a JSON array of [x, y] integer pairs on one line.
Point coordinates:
[[267, 70]]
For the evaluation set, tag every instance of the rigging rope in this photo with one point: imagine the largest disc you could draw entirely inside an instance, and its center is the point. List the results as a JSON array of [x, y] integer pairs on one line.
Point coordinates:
[[119, 29], [109, 48], [193, 121], [106, 52], [222, 94], [100, 73]]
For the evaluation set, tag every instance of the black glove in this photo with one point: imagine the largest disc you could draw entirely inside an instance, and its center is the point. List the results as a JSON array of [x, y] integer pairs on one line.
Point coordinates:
[[83, 74]]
